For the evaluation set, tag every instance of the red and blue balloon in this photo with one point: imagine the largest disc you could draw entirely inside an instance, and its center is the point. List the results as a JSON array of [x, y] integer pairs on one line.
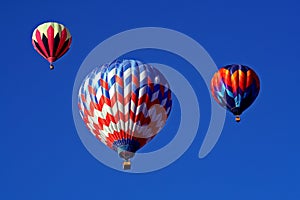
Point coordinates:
[[235, 87]]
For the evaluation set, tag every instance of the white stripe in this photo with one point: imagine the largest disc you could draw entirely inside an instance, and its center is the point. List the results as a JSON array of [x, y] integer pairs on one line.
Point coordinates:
[[154, 96]]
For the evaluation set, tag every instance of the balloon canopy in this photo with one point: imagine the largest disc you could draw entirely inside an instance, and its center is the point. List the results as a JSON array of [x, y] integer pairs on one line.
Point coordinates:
[[125, 104], [235, 87], [51, 40]]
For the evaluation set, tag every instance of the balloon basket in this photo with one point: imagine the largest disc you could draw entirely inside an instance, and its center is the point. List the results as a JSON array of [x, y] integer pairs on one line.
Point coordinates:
[[237, 118], [126, 165], [51, 67]]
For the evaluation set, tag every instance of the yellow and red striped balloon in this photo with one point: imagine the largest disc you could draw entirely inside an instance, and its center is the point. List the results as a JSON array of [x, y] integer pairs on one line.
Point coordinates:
[[51, 40]]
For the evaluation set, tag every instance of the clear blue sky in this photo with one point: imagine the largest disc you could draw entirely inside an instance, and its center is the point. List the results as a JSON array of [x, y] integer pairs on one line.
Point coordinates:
[[42, 156]]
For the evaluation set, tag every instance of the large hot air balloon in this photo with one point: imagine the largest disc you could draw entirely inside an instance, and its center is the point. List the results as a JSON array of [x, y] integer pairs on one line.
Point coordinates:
[[51, 40], [235, 87], [125, 104]]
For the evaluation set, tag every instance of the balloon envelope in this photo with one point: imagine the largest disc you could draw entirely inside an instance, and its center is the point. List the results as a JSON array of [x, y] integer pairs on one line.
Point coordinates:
[[51, 40], [125, 104], [235, 87]]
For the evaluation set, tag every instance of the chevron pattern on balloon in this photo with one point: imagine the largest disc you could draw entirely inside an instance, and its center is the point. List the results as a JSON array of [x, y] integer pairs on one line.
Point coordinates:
[[125, 102]]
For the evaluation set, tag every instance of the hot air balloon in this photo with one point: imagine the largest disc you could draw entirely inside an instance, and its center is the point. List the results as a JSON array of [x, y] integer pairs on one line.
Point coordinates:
[[235, 87], [51, 40], [125, 104]]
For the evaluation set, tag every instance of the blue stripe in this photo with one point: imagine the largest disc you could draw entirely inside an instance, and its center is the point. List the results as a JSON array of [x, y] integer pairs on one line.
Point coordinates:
[[112, 81], [128, 80], [120, 89], [237, 100]]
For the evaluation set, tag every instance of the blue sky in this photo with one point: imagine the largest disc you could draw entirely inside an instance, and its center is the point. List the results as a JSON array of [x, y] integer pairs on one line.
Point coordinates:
[[42, 156]]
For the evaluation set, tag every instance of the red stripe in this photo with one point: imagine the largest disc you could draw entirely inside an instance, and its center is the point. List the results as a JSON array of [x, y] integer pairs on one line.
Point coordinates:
[[92, 108], [162, 89], [119, 80], [79, 106], [127, 98], [104, 84], [225, 74], [83, 98], [91, 90], [249, 78], [215, 84], [35, 47], [150, 84], [113, 100], [111, 138], [50, 34], [242, 80], [251, 75], [65, 50], [135, 81], [120, 98], [40, 42], [235, 81], [62, 39]]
